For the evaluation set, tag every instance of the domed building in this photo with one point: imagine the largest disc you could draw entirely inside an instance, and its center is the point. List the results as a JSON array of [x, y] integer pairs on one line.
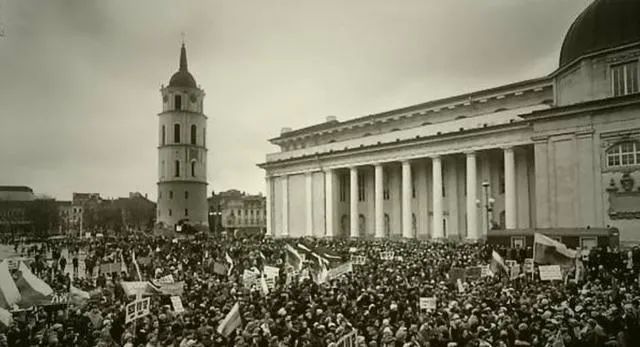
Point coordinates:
[[558, 154]]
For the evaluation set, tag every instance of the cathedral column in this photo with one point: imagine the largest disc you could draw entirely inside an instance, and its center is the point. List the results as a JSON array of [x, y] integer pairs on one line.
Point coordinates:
[[510, 212], [436, 167], [309, 203], [285, 206], [269, 193], [379, 201], [353, 200], [472, 189], [407, 231], [328, 200]]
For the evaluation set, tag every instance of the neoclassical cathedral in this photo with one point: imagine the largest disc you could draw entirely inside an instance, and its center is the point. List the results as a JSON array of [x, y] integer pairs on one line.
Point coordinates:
[[182, 152], [559, 151]]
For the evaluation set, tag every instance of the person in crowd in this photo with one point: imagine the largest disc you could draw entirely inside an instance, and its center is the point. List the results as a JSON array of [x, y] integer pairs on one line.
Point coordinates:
[[379, 299]]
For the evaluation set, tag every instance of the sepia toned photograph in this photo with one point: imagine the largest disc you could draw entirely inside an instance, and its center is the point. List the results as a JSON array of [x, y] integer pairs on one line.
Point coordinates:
[[306, 173]]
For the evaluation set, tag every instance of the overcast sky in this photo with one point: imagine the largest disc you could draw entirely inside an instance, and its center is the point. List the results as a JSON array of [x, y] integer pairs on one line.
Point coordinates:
[[79, 80]]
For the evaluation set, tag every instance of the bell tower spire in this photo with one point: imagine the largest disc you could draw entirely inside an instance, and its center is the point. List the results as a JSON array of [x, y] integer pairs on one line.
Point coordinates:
[[183, 58]]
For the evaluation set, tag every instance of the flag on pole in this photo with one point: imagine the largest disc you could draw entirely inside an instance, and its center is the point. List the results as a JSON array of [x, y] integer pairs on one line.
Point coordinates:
[[9, 293], [293, 257], [230, 261], [231, 322], [135, 263], [549, 251], [497, 263]]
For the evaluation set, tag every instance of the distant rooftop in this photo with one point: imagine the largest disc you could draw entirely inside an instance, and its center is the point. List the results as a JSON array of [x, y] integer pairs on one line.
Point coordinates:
[[16, 189]]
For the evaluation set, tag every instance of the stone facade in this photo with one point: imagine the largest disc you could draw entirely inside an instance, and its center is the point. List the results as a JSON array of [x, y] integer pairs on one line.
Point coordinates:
[[540, 153]]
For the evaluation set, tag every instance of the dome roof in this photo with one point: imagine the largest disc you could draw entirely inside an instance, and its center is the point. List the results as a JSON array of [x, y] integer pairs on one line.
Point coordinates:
[[604, 24], [183, 77]]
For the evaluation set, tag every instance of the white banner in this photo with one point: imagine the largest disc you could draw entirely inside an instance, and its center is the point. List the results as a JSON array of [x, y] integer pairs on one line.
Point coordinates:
[[166, 279], [358, 259], [550, 272], [528, 265], [137, 309], [386, 255], [484, 271], [250, 278], [428, 303], [177, 304]]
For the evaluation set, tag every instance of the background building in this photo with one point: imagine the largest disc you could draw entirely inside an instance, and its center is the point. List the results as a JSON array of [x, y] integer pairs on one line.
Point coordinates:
[[182, 152], [14, 206], [89, 212], [560, 151], [22, 213], [234, 210]]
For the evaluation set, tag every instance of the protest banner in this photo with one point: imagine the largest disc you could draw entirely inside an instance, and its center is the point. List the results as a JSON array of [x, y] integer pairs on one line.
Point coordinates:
[[250, 279], [219, 268], [132, 288], [428, 303], [340, 270], [144, 260], [473, 272], [528, 265], [514, 271], [166, 279], [484, 271], [358, 259], [137, 309], [109, 268], [456, 273], [460, 285], [386, 255], [550, 272], [176, 302]]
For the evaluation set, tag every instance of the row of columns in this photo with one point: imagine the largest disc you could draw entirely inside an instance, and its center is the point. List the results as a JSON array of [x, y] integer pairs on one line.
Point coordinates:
[[406, 197]]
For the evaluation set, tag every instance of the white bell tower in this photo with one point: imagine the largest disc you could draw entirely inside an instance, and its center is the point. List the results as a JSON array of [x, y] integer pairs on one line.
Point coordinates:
[[182, 151]]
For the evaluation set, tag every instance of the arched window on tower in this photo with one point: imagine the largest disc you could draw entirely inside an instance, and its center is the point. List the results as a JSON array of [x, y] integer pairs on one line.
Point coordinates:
[[204, 137], [164, 135], [176, 133], [193, 134], [177, 102], [177, 172], [193, 168]]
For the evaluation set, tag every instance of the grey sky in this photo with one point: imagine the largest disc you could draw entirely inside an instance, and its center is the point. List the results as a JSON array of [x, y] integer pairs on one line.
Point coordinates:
[[79, 80]]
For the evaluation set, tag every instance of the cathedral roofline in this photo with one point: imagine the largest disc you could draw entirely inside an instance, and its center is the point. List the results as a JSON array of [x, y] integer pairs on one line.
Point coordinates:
[[457, 100]]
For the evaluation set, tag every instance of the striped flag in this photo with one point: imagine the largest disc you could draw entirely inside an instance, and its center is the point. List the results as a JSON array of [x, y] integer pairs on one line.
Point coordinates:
[[548, 251], [9, 293], [497, 263], [293, 257], [231, 322], [33, 290]]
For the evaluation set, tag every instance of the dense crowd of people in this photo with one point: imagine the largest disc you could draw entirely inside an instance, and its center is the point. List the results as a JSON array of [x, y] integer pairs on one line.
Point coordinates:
[[378, 299]]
